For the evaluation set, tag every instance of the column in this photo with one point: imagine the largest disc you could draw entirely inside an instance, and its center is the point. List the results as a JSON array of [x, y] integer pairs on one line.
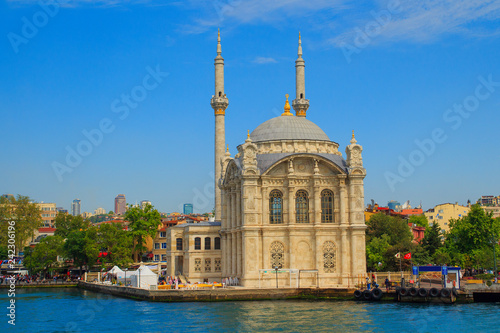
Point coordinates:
[[265, 206], [343, 203], [228, 255], [317, 204], [239, 258], [291, 204], [224, 250], [233, 209], [238, 205], [234, 253]]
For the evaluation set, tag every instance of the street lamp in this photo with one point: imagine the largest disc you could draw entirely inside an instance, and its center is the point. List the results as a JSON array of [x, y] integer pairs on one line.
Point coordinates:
[[495, 258], [276, 269], [126, 269]]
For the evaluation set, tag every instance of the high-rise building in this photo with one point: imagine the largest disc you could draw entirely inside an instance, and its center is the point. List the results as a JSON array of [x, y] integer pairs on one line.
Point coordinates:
[[48, 213], [75, 207], [7, 196], [144, 203], [120, 204], [188, 209], [61, 210], [99, 211]]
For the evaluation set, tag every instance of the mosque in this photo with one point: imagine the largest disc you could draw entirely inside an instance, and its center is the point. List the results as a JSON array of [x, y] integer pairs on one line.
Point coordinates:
[[289, 205]]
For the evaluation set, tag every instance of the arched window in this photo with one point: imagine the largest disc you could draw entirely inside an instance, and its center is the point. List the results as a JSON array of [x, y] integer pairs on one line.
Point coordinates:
[[329, 257], [326, 206], [217, 243], [208, 243], [178, 242], [301, 96], [275, 207], [301, 207], [277, 254], [197, 243]]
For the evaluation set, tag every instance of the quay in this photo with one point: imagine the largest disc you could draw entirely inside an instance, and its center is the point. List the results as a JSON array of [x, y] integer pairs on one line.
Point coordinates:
[[240, 294], [219, 294]]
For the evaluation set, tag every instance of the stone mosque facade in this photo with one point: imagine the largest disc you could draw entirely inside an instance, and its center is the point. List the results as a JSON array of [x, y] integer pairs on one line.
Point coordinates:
[[288, 202]]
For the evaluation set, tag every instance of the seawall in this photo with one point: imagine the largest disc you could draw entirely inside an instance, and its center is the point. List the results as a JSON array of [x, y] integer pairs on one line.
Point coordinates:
[[219, 294]]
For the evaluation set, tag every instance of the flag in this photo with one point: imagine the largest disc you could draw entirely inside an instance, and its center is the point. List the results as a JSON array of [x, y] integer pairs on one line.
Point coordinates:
[[398, 255], [407, 256]]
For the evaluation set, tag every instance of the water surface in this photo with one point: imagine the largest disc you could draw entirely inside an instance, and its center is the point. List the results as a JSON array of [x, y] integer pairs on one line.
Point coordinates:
[[74, 310]]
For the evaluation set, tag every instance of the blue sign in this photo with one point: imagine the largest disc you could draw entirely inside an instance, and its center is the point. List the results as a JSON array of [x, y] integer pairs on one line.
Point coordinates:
[[444, 270], [415, 270]]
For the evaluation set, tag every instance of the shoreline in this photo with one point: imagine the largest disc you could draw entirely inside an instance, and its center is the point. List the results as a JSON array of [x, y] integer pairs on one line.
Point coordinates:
[[44, 285], [238, 294]]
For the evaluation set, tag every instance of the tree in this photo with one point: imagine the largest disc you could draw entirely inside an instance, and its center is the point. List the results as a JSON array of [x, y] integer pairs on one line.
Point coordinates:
[[143, 224], [376, 251], [432, 240], [116, 242], [396, 228], [473, 231], [386, 236], [74, 247], [65, 224], [25, 214], [419, 220], [44, 256]]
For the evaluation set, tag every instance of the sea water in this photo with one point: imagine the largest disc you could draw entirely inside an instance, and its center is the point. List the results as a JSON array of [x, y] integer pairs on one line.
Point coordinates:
[[75, 310]]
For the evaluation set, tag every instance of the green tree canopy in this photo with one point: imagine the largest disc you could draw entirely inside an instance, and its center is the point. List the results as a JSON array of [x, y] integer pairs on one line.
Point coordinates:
[[386, 236], [25, 214], [419, 220], [143, 224], [433, 239], [66, 223], [116, 242], [473, 231], [44, 256]]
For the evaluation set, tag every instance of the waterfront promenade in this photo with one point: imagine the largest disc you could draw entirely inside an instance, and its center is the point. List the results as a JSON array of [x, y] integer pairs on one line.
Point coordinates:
[[219, 294]]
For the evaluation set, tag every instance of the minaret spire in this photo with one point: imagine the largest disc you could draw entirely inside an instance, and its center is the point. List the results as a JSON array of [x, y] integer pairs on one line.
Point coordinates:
[[219, 47], [300, 103], [219, 103], [300, 47]]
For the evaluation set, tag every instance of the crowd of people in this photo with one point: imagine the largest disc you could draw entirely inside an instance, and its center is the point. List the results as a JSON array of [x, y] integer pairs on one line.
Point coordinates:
[[39, 278], [231, 281]]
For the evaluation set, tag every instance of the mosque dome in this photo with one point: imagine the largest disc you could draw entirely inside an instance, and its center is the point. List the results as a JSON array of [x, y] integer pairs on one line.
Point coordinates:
[[288, 128]]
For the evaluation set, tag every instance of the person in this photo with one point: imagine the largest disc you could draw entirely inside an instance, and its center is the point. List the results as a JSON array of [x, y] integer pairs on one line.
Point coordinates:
[[387, 284], [367, 283], [374, 283]]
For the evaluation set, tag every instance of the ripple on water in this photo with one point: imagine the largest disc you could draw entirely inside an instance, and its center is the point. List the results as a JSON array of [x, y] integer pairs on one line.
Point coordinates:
[[73, 310]]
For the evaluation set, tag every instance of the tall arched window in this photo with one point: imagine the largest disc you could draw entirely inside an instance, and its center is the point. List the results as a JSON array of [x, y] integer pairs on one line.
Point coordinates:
[[329, 257], [301, 207], [217, 243], [178, 243], [275, 207], [197, 243], [326, 206], [277, 252], [208, 243]]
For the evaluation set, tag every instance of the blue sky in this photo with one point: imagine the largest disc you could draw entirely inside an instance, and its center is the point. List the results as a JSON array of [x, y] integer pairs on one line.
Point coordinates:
[[419, 84]]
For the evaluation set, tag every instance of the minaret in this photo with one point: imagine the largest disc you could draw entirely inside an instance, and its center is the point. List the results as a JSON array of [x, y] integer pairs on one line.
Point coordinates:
[[300, 103], [219, 103]]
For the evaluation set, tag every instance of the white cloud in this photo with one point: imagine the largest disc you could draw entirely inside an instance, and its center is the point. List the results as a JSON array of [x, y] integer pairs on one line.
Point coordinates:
[[428, 20], [264, 60]]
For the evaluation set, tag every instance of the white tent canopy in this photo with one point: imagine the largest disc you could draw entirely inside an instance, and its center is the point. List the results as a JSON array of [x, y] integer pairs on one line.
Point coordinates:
[[146, 277], [117, 271]]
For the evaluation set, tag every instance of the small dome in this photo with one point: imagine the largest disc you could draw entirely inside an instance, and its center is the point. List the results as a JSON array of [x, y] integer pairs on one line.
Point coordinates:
[[288, 128]]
